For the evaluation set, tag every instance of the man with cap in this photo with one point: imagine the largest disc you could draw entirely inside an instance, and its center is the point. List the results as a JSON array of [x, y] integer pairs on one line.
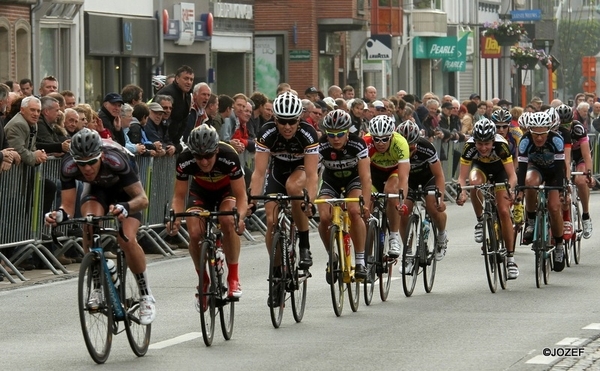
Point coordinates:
[[312, 94], [155, 131], [475, 98], [110, 114], [536, 102], [379, 108], [504, 103]]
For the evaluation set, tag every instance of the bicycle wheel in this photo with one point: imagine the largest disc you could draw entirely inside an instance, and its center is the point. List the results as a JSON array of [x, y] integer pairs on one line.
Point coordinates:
[[490, 248], [225, 307], [501, 255], [334, 273], [298, 280], [138, 335], [385, 265], [277, 271], [353, 286], [428, 260], [548, 258], [410, 255], [539, 247], [95, 311], [207, 299], [577, 230], [371, 257]]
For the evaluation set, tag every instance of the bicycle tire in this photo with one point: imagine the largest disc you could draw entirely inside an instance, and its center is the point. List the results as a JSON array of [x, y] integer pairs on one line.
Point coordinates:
[[353, 286], [138, 335], [298, 278], [225, 307], [428, 261], [277, 274], [207, 311], [577, 232], [548, 258], [490, 249], [501, 255], [372, 260], [385, 264], [411, 253], [97, 324], [336, 282], [539, 246]]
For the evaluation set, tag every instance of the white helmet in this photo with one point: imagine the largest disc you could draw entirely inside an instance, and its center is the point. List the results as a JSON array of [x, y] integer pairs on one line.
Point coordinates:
[[381, 126], [159, 81], [539, 120], [287, 106]]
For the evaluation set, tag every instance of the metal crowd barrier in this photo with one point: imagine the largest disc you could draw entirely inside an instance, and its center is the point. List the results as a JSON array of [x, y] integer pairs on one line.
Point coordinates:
[[448, 149]]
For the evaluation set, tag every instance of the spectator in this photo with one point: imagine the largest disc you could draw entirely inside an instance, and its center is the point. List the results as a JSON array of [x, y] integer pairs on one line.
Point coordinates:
[[243, 136], [46, 137], [475, 98], [132, 94], [84, 111], [283, 87], [137, 134], [401, 94], [126, 118], [8, 155], [267, 114], [595, 118], [469, 119], [71, 122], [14, 86], [311, 114], [59, 98], [582, 115], [357, 114], [166, 102], [312, 94], [340, 103], [536, 102], [334, 92], [96, 124], [197, 116], [26, 87], [110, 114], [431, 122], [58, 127], [155, 130], [370, 94], [70, 100], [4, 104], [348, 92], [224, 111], [180, 90], [258, 100], [232, 122], [48, 85]]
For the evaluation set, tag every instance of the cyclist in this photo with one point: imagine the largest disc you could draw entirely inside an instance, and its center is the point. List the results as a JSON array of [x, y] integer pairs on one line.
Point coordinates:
[[582, 157], [292, 146], [217, 182], [111, 184], [541, 160], [487, 154], [346, 167], [390, 166], [426, 171], [502, 118]]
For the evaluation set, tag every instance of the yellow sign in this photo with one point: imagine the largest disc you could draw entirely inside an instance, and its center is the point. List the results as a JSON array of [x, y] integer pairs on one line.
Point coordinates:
[[490, 48]]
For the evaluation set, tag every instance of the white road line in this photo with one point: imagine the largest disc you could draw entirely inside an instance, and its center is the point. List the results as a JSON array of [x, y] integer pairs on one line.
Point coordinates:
[[542, 360], [176, 340], [572, 341], [592, 326]]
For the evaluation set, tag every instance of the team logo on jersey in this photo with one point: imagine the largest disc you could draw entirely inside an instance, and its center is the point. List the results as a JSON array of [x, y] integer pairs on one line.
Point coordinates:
[[333, 155]]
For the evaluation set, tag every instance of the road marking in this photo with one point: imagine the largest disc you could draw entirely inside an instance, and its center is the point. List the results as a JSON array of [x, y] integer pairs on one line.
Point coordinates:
[[572, 341], [176, 340], [542, 360], [592, 326]]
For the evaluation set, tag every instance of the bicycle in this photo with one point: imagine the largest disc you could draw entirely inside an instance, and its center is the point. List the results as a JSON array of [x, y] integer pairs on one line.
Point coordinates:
[[542, 240], [285, 274], [212, 286], [493, 250], [420, 245], [117, 293], [573, 245], [379, 265], [340, 270]]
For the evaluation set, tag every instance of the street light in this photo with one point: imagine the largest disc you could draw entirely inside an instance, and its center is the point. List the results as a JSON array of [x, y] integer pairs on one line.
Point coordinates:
[[547, 45]]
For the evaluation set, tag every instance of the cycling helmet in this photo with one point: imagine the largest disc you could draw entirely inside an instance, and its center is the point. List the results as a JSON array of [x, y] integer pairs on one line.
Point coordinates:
[[554, 117], [159, 81], [565, 113], [337, 120], [203, 139], [381, 126], [287, 106], [410, 131], [539, 120], [85, 143], [501, 116], [484, 130], [523, 120]]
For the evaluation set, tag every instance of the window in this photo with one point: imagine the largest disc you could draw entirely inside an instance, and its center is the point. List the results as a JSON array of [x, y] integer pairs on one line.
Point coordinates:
[[4, 53], [55, 44]]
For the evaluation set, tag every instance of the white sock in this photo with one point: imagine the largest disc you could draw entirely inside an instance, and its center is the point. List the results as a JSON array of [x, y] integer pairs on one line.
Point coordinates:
[[394, 236]]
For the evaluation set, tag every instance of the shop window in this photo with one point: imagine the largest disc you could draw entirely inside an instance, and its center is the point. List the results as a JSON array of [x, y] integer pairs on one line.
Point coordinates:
[[55, 44]]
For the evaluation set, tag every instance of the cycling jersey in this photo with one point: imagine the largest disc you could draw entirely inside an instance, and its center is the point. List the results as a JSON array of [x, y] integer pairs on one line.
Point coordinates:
[[288, 153], [578, 136], [422, 157], [500, 152], [227, 167], [513, 138], [549, 159], [388, 161], [341, 166]]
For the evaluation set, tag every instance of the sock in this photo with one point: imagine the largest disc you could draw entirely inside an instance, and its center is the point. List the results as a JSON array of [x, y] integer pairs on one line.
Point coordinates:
[[233, 272], [558, 241], [360, 258], [585, 216], [480, 218], [142, 281], [303, 239], [510, 258], [566, 215], [394, 235]]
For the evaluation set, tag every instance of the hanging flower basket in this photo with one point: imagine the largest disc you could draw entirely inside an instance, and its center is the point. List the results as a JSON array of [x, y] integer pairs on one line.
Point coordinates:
[[526, 58], [505, 40], [527, 63], [506, 33]]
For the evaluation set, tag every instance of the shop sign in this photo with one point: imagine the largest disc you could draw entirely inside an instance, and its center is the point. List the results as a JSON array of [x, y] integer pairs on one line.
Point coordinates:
[[379, 47], [300, 55], [490, 48], [458, 63], [434, 47], [236, 11]]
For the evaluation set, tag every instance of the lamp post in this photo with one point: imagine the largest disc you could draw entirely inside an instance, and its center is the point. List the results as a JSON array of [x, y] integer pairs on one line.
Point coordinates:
[[547, 45]]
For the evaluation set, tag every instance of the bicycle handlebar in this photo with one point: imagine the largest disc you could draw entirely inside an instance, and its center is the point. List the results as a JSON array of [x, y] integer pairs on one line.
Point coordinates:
[[94, 221], [203, 214]]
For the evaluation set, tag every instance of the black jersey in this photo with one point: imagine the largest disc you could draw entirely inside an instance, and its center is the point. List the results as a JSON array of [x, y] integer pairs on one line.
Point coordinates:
[[578, 136], [227, 167], [500, 152], [549, 157], [343, 163], [287, 152], [117, 168], [423, 155]]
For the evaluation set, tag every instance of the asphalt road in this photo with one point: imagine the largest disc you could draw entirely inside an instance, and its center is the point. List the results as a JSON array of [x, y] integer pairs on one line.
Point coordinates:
[[459, 326]]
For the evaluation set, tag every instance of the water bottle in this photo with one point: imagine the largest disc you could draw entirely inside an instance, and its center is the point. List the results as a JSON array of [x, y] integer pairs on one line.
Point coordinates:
[[381, 238], [113, 272], [220, 260], [426, 228], [347, 243]]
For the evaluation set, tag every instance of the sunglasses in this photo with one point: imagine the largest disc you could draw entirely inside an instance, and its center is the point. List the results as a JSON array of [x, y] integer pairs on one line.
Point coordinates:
[[381, 139], [502, 126], [290, 122], [205, 156], [338, 134], [539, 134], [91, 161]]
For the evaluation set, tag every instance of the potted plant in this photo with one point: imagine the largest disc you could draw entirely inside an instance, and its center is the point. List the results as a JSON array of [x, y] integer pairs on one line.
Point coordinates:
[[506, 33], [527, 58]]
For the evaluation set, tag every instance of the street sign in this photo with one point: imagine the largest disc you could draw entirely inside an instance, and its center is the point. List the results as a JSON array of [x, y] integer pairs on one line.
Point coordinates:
[[379, 47], [300, 55], [526, 15]]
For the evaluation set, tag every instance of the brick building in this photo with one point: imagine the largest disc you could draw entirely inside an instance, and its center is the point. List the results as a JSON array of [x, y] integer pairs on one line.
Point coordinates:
[[15, 39]]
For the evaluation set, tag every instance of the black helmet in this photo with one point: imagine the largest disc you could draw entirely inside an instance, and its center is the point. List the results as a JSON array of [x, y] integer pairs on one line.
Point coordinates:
[[410, 131], [565, 113], [484, 130], [337, 120], [501, 116], [203, 139], [85, 143]]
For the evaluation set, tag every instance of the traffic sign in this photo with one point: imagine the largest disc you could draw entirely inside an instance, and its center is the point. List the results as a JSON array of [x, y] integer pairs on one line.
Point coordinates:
[[526, 15]]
